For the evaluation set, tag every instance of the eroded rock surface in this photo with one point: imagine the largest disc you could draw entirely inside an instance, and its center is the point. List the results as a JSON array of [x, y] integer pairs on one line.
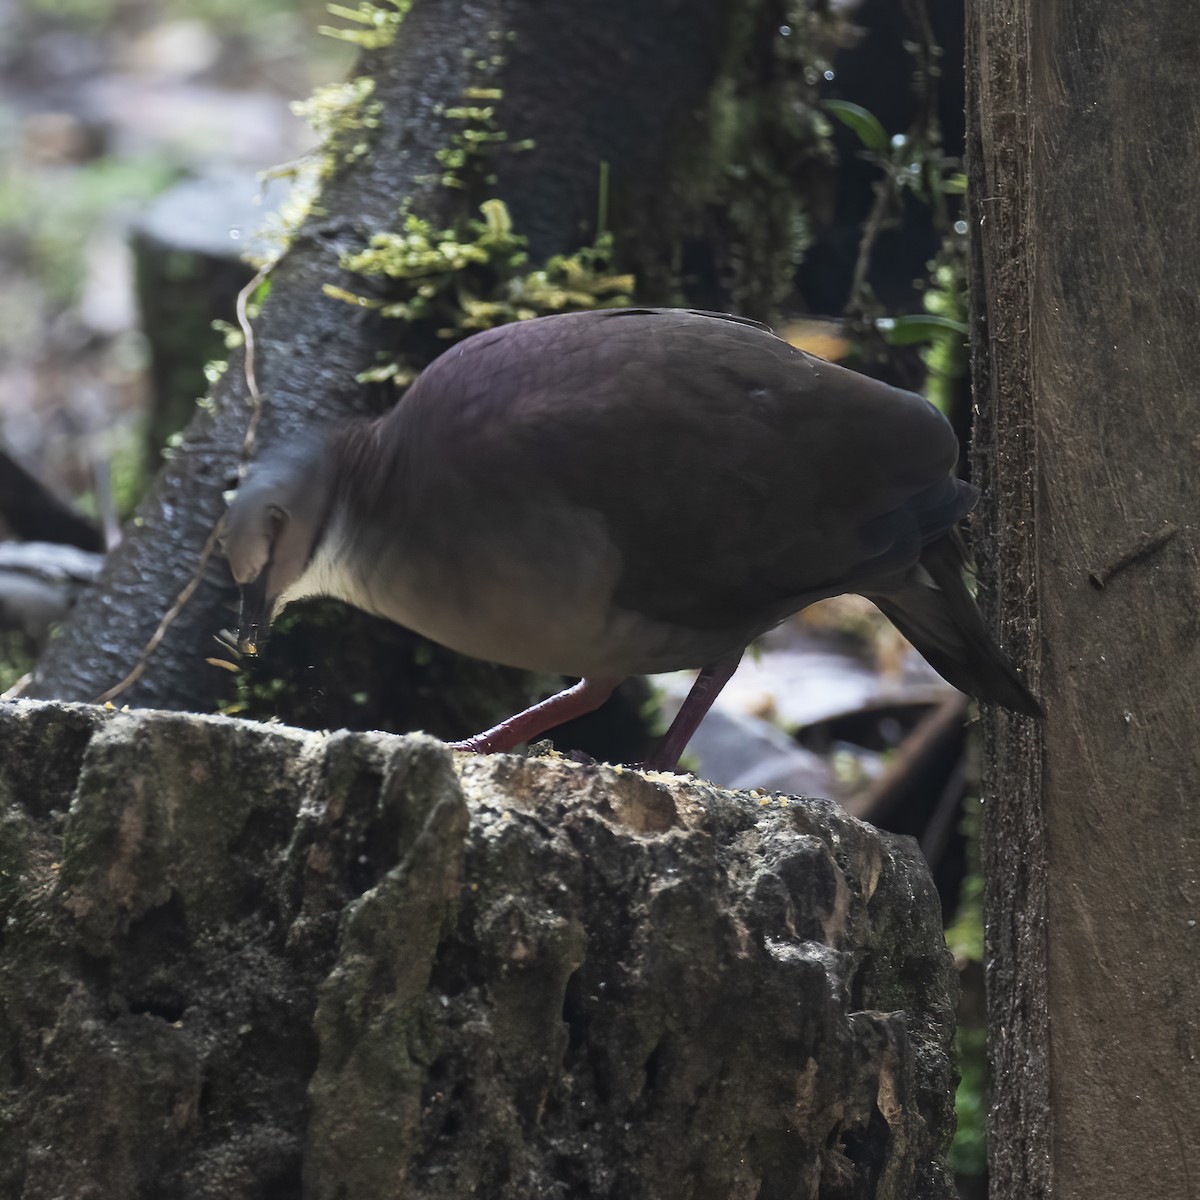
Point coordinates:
[[251, 962]]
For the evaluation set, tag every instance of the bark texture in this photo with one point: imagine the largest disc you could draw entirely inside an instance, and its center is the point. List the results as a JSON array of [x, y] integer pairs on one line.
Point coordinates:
[[1084, 134], [1006, 467], [247, 962], [621, 82]]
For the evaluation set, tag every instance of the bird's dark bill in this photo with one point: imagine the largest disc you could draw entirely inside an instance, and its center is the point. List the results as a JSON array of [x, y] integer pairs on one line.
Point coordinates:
[[255, 621]]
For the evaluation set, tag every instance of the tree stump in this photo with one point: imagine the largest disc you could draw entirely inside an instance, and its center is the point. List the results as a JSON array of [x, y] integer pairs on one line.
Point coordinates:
[[247, 961]]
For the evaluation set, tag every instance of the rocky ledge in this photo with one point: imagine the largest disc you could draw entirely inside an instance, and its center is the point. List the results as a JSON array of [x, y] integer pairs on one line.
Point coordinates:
[[249, 961]]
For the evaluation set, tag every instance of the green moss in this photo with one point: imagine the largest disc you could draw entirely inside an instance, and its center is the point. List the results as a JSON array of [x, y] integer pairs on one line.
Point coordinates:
[[474, 274], [467, 160], [378, 23], [343, 114], [472, 278], [345, 142]]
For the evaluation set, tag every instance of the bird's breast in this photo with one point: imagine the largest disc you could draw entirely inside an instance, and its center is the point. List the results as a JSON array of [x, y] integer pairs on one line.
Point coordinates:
[[538, 597]]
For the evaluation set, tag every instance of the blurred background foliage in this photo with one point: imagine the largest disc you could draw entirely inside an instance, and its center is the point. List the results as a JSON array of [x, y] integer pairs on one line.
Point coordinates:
[[136, 142], [104, 104]]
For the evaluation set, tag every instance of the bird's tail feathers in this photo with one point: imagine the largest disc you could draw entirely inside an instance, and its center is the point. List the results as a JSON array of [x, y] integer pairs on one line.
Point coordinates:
[[936, 613]]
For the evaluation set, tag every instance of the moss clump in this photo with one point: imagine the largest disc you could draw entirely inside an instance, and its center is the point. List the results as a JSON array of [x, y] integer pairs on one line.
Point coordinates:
[[464, 280], [343, 114], [377, 23], [473, 275], [467, 159]]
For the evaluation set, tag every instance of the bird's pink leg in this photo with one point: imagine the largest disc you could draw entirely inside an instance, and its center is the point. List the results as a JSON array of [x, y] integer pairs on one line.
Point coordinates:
[[699, 700], [586, 696]]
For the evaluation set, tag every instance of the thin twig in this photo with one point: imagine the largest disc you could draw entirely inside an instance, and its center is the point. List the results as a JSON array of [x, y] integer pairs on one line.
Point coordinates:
[[214, 537], [886, 192], [243, 299]]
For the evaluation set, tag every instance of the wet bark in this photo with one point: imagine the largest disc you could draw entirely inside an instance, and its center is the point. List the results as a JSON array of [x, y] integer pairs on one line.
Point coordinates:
[[240, 962], [1083, 137]]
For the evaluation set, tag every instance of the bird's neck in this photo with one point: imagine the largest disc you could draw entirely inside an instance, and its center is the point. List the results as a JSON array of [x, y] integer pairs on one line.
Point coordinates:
[[369, 466], [367, 509]]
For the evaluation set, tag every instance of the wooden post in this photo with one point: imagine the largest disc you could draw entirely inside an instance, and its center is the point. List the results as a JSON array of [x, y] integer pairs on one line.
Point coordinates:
[[1084, 147]]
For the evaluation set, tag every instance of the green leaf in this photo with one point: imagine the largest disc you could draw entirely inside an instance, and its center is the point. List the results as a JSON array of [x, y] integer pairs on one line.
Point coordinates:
[[918, 328], [856, 118]]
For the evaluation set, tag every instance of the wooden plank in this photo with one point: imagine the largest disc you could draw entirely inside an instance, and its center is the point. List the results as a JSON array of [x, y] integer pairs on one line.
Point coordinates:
[[1085, 140]]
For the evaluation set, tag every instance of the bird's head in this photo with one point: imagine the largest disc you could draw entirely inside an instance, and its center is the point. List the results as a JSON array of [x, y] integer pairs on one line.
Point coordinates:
[[272, 530]]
